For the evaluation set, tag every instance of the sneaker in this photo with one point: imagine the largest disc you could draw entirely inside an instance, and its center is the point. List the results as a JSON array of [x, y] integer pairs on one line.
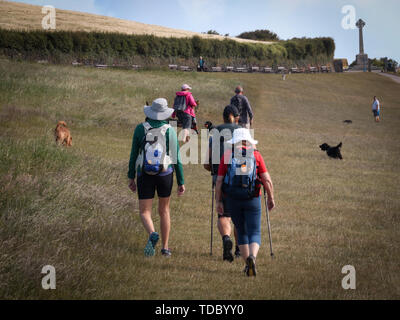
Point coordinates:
[[251, 270], [237, 252], [228, 245], [166, 253], [149, 250]]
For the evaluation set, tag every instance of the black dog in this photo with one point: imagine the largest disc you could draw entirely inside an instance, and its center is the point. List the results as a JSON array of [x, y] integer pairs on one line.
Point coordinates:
[[209, 126], [332, 152]]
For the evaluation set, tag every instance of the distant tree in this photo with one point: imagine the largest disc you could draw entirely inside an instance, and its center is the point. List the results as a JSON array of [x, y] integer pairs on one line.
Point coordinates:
[[213, 32], [260, 35], [391, 63], [226, 34]]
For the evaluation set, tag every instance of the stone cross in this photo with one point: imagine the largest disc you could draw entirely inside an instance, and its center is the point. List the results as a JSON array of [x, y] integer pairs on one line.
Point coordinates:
[[360, 25]]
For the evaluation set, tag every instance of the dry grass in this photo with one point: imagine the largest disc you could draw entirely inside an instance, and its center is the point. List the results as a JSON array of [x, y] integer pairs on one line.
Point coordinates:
[[29, 17], [72, 208]]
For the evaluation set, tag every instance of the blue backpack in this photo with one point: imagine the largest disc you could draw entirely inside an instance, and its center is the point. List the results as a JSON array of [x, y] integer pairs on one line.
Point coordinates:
[[240, 180]]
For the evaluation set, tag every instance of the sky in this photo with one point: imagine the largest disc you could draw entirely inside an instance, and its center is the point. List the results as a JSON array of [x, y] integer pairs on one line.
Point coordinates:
[[287, 18]]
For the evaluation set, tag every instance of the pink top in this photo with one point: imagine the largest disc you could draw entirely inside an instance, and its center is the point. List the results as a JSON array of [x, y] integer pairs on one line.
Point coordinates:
[[190, 102]]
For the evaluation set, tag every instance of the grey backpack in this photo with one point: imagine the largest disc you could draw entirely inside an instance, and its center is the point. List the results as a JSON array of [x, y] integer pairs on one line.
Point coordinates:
[[180, 103]]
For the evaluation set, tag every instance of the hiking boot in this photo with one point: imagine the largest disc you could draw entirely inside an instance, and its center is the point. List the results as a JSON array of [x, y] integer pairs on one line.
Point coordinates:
[[228, 245], [251, 267], [149, 250], [166, 253], [237, 252]]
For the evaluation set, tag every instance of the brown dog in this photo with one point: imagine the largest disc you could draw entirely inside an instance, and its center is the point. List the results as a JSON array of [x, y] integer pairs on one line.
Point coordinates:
[[63, 135]]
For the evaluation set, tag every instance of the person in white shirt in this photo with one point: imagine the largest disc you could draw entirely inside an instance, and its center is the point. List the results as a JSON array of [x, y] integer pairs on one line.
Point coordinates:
[[376, 109]]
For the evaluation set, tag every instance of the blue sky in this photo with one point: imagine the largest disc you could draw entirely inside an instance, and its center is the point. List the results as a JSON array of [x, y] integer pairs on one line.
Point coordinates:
[[287, 18]]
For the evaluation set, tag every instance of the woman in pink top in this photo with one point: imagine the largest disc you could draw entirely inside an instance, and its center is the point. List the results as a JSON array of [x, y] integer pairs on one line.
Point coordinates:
[[188, 116]]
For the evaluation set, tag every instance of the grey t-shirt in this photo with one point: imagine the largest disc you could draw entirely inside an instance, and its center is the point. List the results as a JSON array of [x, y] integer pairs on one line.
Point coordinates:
[[246, 112]]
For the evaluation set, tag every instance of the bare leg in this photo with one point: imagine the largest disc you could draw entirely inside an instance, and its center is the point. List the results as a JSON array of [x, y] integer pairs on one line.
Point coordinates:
[[254, 248], [163, 209], [145, 207], [224, 226], [244, 251]]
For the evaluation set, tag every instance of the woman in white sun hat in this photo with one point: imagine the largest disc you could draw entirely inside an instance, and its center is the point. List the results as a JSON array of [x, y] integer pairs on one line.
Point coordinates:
[[241, 173], [152, 162]]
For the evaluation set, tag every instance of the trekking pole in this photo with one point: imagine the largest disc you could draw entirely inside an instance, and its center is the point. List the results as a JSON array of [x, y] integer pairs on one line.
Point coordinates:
[[269, 224], [212, 219]]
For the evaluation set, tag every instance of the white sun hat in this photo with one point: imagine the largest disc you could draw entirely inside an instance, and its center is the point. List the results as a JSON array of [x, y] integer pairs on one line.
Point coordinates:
[[186, 86], [242, 135], [158, 110]]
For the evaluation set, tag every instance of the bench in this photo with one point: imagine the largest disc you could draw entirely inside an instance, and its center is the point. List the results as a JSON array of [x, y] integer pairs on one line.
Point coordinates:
[[241, 70], [185, 68], [281, 70], [216, 69]]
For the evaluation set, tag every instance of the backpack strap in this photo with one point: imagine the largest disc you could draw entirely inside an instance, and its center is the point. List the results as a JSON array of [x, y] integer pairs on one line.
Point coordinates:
[[164, 129], [146, 126]]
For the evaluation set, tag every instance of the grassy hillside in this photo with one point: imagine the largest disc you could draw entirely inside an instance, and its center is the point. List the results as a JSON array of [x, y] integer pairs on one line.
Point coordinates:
[[72, 208], [21, 16]]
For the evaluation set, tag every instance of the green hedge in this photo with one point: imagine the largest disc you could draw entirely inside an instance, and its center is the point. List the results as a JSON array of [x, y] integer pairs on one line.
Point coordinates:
[[101, 47]]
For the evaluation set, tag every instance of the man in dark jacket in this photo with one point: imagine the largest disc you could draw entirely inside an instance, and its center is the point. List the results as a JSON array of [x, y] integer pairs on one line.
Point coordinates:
[[215, 153], [241, 102]]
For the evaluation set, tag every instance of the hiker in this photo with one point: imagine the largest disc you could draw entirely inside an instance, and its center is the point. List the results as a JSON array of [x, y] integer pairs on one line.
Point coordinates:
[[376, 109], [152, 162], [241, 102], [202, 64], [231, 120], [184, 110], [240, 176]]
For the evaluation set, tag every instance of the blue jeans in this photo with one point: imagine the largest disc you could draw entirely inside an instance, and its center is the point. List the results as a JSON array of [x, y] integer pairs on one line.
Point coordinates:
[[246, 216]]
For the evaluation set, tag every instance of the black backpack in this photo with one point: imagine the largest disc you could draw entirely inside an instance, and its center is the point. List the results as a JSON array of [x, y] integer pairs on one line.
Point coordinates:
[[180, 103], [237, 102]]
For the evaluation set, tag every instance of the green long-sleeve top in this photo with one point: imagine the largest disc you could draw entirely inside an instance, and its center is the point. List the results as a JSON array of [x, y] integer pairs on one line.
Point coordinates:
[[137, 144]]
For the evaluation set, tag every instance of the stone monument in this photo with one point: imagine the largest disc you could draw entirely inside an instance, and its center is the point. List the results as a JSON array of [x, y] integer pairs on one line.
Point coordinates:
[[361, 58]]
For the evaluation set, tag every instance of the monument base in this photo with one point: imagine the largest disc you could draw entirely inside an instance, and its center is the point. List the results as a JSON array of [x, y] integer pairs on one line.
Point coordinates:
[[362, 62]]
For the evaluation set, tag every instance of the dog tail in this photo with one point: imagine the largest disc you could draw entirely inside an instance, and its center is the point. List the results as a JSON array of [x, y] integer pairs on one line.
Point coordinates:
[[340, 145], [62, 123]]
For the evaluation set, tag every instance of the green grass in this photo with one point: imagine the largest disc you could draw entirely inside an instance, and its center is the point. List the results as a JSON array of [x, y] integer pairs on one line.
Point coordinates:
[[71, 208]]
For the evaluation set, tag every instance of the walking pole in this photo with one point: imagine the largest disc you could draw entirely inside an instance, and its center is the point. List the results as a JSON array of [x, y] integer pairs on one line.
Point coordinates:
[[212, 219], [269, 224]]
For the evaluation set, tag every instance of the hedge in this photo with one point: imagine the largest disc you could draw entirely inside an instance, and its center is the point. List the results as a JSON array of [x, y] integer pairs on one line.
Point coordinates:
[[98, 47]]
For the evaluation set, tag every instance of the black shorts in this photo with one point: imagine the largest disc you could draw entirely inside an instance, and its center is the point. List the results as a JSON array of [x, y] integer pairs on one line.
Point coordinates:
[[147, 186], [185, 119]]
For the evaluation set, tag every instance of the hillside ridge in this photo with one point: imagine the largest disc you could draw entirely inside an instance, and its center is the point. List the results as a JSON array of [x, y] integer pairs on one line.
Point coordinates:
[[21, 16]]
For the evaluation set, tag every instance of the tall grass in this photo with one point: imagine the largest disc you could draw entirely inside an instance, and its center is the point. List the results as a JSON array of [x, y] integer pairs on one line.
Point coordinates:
[[71, 208]]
